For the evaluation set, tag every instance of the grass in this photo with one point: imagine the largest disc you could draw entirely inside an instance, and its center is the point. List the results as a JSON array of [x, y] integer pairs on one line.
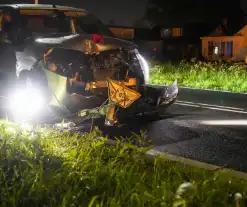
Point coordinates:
[[214, 75], [52, 168]]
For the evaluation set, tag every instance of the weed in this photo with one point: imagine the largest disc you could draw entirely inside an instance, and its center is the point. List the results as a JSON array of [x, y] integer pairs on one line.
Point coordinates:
[[212, 75], [58, 169]]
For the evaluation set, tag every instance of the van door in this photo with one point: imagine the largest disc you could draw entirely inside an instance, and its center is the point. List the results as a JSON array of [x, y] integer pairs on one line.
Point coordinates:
[[7, 58], [1, 24]]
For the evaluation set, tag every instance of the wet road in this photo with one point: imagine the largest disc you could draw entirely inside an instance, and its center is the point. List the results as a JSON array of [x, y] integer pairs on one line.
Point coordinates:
[[215, 137], [204, 133]]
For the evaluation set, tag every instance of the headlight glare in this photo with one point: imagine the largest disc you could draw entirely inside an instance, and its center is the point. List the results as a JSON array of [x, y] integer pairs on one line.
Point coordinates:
[[27, 103], [144, 66]]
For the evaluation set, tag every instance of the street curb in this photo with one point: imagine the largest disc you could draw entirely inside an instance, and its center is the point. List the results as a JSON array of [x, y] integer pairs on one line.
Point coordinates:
[[201, 89], [189, 162], [195, 163], [182, 160]]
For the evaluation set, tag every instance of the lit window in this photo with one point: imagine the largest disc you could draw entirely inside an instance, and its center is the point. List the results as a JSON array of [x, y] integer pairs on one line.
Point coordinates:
[[166, 32], [176, 32], [216, 50]]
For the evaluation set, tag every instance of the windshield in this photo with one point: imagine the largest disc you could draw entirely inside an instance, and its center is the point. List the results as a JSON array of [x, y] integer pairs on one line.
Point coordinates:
[[44, 25], [91, 25]]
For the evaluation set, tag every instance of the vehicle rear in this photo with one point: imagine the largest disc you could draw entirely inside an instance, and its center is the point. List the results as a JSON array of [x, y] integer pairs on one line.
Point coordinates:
[[74, 58]]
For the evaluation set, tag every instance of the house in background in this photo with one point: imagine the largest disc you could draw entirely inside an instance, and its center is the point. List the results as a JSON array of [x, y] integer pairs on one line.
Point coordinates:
[[168, 42], [172, 41], [182, 40], [141, 29], [144, 34], [228, 43]]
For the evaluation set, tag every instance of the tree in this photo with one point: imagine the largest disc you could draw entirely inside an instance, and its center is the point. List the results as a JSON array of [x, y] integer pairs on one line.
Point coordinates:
[[112, 22], [177, 12], [143, 23]]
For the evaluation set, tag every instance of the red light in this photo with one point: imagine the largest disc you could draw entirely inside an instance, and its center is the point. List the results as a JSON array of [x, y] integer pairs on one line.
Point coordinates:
[[155, 49], [97, 38]]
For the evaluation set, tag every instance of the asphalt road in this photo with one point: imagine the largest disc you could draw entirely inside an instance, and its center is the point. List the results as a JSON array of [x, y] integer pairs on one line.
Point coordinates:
[[204, 133], [215, 137], [238, 100]]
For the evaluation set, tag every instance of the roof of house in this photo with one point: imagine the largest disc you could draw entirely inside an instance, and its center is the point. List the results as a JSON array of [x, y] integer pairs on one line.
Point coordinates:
[[228, 30]]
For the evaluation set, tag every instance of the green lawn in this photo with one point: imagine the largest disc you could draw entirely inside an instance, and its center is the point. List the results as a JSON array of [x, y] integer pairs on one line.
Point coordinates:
[[216, 75], [54, 169]]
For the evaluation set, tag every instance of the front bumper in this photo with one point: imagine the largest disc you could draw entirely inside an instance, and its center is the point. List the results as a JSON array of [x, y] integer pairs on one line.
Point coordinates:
[[124, 99]]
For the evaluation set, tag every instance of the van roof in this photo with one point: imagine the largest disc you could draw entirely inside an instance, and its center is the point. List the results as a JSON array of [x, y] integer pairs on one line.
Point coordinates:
[[42, 6]]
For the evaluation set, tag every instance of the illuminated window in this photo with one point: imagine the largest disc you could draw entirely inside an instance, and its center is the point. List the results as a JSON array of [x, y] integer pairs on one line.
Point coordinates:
[[176, 32], [216, 48], [166, 32]]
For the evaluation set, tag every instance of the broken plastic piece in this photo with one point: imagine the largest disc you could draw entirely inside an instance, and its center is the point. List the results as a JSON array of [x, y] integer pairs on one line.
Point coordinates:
[[169, 95]]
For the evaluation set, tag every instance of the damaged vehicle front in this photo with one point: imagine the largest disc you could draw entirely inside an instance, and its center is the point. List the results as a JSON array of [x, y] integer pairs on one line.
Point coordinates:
[[69, 63]]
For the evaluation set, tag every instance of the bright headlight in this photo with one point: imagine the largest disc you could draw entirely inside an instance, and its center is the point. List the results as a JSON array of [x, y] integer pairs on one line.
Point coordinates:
[[27, 102], [145, 67]]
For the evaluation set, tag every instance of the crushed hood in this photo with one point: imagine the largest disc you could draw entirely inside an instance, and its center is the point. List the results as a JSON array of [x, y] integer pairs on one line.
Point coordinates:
[[35, 50], [85, 43]]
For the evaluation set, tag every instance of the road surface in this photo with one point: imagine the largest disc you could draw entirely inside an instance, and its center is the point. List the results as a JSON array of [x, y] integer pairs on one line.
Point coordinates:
[[205, 133]]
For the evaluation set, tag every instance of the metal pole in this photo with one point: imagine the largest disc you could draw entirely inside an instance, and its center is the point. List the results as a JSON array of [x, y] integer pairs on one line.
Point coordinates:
[[36, 1]]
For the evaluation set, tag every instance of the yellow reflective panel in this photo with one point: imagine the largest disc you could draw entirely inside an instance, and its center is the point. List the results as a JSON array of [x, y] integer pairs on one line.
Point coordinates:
[[121, 95], [104, 84], [131, 82]]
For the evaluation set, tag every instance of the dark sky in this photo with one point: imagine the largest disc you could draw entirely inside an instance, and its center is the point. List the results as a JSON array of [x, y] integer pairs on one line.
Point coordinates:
[[123, 12]]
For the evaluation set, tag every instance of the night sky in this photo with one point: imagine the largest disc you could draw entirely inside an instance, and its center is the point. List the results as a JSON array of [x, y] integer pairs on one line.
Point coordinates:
[[123, 12]]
